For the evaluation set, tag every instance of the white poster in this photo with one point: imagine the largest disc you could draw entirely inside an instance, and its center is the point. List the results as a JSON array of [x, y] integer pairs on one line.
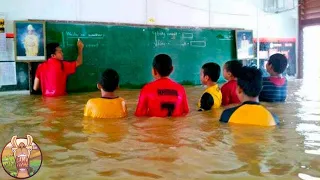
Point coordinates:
[[3, 47], [10, 49], [8, 73]]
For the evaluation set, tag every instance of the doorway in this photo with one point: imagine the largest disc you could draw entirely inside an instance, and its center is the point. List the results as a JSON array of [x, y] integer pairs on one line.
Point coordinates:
[[311, 53]]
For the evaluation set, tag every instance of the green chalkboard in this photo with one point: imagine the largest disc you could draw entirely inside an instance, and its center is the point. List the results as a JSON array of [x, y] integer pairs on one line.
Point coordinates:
[[130, 49]]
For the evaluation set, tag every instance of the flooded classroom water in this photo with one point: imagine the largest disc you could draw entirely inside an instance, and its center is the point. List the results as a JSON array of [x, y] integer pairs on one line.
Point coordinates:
[[194, 147]]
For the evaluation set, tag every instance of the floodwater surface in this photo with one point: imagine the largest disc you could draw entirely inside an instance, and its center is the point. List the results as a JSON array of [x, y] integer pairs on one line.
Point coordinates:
[[193, 147]]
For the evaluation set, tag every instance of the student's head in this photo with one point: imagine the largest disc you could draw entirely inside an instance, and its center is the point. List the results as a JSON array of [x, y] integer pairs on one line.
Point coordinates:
[[162, 66], [277, 64], [231, 69], [249, 82], [210, 72], [109, 81], [54, 51]]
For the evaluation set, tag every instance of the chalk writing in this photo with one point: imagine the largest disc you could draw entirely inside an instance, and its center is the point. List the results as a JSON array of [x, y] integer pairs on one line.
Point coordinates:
[[92, 45], [84, 36], [159, 33], [187, 35], [185, 44], [198, 43], [172, 35], [86, 45], [159, 43], [96, 35], [225, 37], [72, 34]]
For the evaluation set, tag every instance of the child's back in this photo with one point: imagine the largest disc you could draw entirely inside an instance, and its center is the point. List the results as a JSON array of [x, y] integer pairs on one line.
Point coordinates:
[[211, 97], [108, 105], [162, 97], [250, 112], [275, 86], [274, 89], [105, 108]]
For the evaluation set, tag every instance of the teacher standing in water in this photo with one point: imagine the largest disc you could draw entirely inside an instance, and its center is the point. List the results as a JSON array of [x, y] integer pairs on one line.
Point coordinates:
[[51, 75]]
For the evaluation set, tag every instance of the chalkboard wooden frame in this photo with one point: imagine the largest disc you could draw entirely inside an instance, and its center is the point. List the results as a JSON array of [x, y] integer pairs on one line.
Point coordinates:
[[16, 38], [138, 25]]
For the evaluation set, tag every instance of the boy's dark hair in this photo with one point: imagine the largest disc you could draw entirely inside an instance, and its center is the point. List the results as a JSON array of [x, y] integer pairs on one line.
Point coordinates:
[[279, 63], [109, 80], [51, 49], [250, 81], [162, 63], [212, 70], [234, 67]]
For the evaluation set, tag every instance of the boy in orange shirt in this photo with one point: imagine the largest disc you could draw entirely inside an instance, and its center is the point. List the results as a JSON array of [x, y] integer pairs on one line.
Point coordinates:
[[109, 105]]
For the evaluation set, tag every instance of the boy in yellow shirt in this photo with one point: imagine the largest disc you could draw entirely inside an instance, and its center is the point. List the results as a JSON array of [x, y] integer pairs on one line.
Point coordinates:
[[250, 112], [109, 105], [212, 96]]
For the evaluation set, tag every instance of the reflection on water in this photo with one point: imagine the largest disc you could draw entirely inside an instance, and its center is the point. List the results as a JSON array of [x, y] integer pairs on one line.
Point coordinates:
[[193, 147]]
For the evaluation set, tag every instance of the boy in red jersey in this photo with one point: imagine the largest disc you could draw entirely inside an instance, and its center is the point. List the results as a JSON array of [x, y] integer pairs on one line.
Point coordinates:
[[162, 97], [231, 71]]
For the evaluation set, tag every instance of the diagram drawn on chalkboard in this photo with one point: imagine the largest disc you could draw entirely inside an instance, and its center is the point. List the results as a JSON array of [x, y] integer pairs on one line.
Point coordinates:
[[198, 43], [187, 35]]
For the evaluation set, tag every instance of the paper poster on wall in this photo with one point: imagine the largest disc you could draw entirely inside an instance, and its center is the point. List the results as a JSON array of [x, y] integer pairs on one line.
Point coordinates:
[[244, 39], [30, 41], [8, 73], [3, 47], [10, 49]]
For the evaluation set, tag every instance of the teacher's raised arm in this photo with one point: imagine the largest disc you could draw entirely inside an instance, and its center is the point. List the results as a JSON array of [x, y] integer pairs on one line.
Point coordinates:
[[80, 49]]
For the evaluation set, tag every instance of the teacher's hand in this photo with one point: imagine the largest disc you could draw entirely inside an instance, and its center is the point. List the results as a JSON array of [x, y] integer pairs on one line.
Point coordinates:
[[80, 44]]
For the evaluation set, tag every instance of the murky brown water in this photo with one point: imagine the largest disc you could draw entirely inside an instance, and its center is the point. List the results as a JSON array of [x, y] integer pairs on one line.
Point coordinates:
[[195, 147]]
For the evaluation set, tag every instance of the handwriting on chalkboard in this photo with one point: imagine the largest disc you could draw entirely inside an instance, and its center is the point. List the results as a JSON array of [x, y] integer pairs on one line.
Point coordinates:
[[96, 37], [92, 45], [160, 33], [72, 34], [198, 43], [87, 45], [187, 35], [171, 35], [160, 43], [84, 35]]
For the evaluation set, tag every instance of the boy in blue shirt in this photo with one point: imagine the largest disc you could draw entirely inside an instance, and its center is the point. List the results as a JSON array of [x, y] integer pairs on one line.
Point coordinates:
[[275, 86]]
